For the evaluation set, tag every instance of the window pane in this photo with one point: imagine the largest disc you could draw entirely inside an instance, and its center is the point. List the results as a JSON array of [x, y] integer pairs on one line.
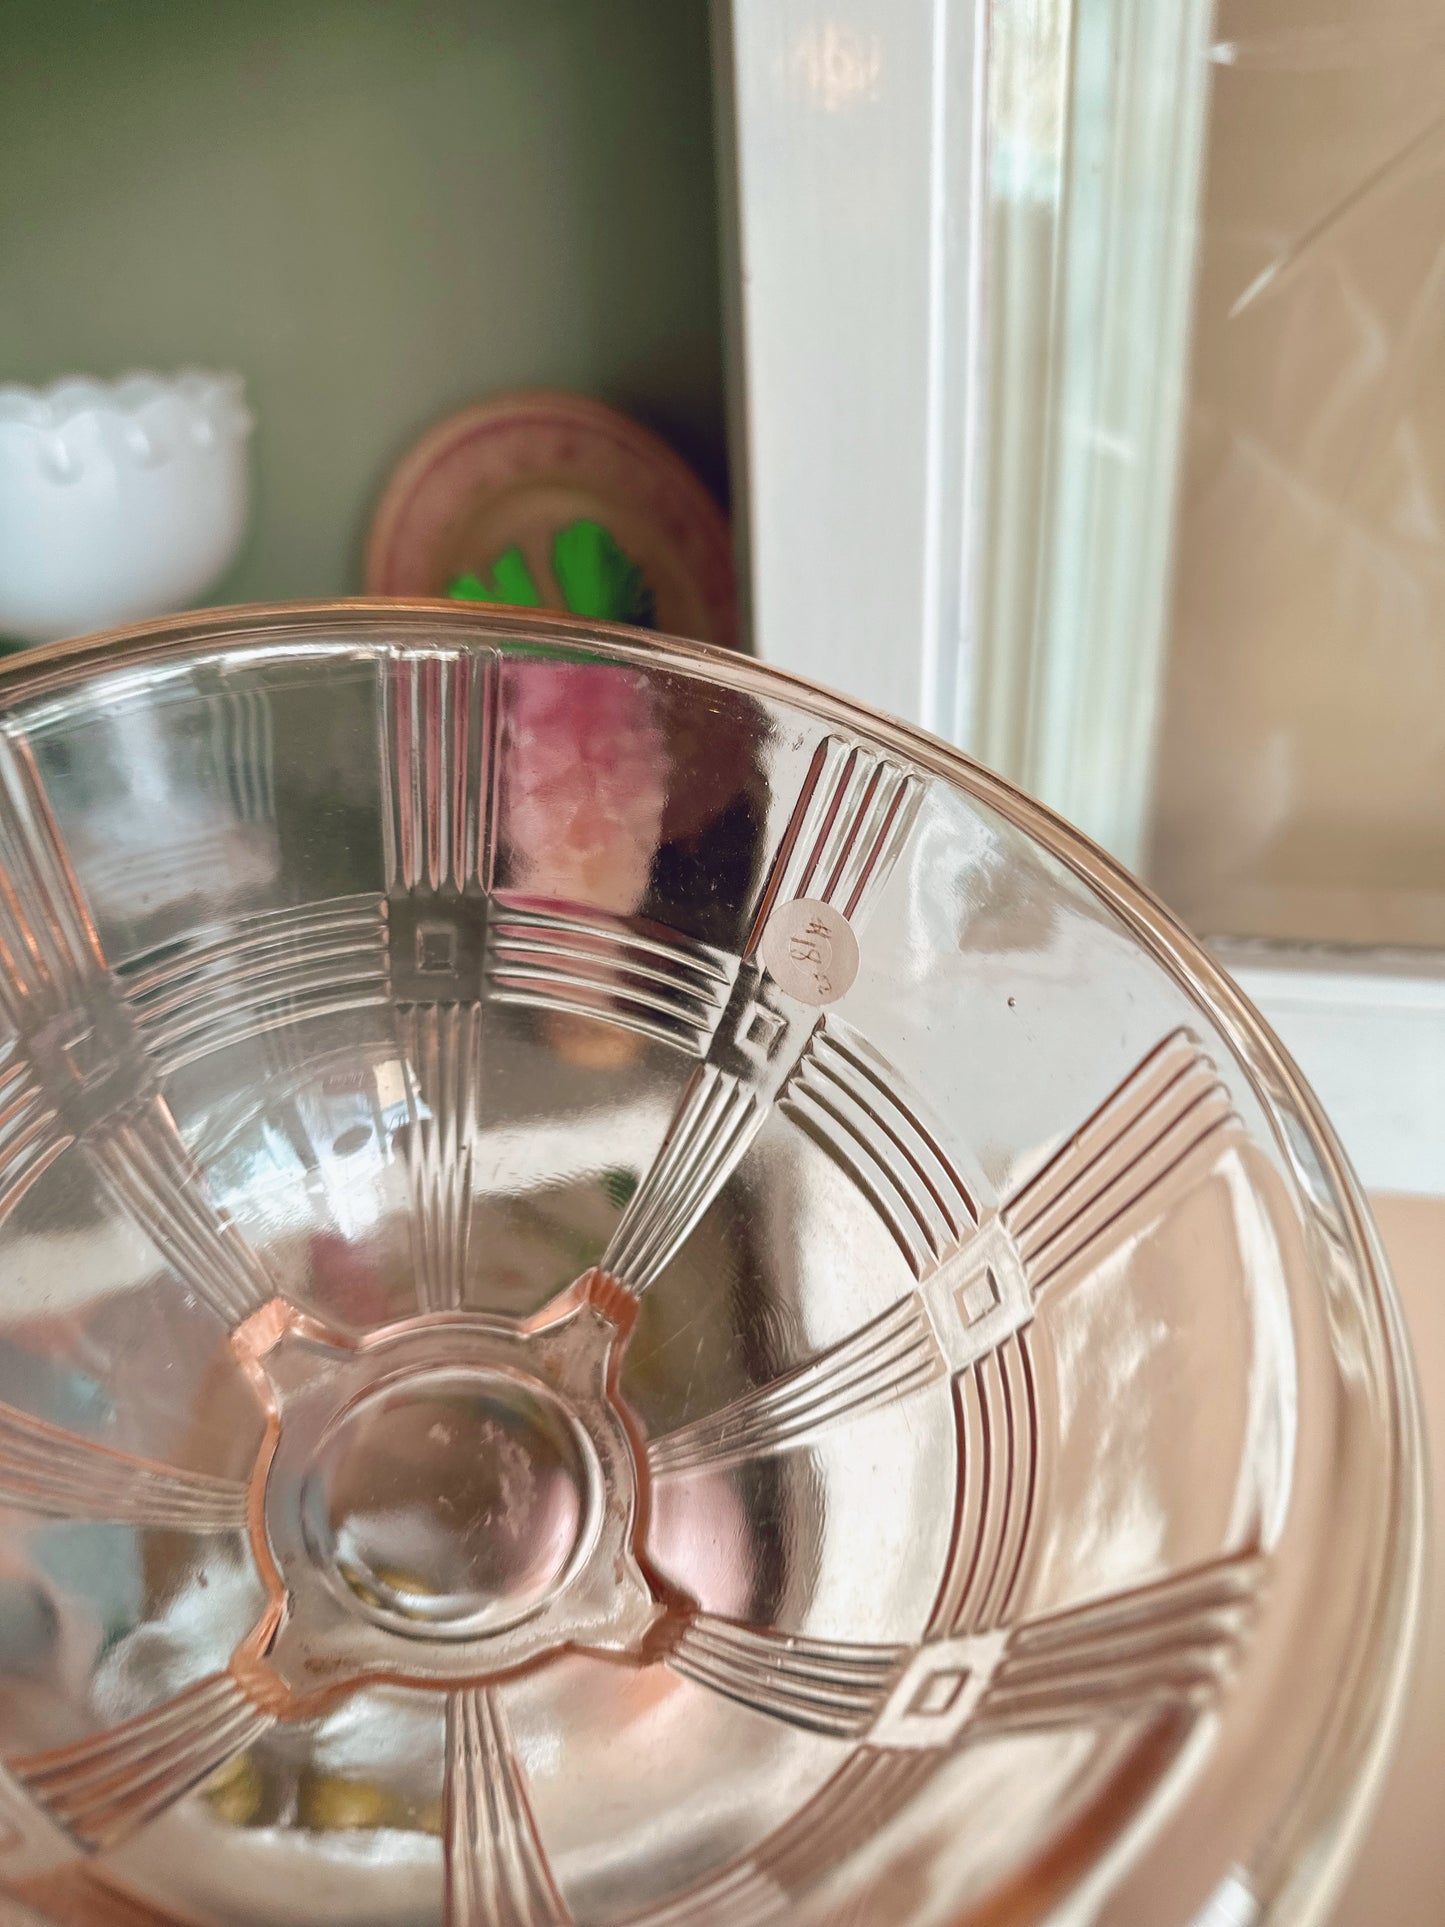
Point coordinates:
[[1300, 786]]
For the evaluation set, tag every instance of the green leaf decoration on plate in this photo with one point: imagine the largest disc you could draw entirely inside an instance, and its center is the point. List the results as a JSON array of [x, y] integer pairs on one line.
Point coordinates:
[[597, 579], [510, 580], [595, 575]]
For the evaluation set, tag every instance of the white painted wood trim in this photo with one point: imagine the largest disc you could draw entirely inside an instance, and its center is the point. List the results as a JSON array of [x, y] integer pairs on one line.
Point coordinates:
[[1098, 123], [963, 278], [856, 132], [852, 151], [1368, 1031]]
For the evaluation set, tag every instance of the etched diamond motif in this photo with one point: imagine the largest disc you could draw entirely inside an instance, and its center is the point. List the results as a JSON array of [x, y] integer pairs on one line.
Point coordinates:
[[938, 1694], [939, 1691], [436, 948], [764, 1030], [980, 1298]]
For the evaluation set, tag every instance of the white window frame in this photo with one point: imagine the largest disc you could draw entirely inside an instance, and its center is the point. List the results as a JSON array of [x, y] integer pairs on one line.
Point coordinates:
[[860, 296], [851, 145]]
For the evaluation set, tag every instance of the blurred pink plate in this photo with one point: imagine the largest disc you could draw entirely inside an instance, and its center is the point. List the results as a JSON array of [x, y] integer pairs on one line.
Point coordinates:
[[516, 469]]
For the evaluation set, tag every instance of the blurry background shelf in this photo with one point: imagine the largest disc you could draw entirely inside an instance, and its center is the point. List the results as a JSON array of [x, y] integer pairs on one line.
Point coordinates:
[[376, 213]]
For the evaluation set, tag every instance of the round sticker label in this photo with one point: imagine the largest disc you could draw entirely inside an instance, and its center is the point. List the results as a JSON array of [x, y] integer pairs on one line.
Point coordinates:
[[810, 949]]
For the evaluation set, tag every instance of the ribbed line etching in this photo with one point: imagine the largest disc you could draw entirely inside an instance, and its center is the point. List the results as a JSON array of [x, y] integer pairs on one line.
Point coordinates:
[[103, 1789], [825, 1686], [49, 1470], [496, 1869]]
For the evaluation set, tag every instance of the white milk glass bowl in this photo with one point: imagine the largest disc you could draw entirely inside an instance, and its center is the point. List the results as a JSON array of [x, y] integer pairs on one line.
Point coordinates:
[[118, 499]]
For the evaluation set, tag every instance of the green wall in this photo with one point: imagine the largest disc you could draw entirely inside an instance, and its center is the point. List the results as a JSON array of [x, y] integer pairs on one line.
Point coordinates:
[[376, 212]]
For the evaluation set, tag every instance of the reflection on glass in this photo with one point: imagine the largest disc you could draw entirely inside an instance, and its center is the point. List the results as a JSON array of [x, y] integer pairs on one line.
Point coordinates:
[[1301, 785]]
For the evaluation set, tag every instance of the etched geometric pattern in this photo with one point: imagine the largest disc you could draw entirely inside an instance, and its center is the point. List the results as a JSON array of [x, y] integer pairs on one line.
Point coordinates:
[[103, 1788], [30, 1132], [845, 832], [979, 1290], [1169, 1642], [996, 1415], [868, 1791], [146, 1167], [437, 950], [826, 1686], [496, 1870], [439, 770], [50, 958], [741, 1896], [1111, 1658], [263, 972], [978, 1283], [714, 1124], [442, 1047], [86, 1074], [243, 751], [1108, 1660], [976, 1672], [46, 1469], [587, 965], [886, 1360], [1137, 1153], [850, 1101], [842, 839]]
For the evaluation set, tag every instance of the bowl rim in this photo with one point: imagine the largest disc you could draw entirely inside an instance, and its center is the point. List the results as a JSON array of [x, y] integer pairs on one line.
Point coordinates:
[[1302, 1850], [53, 405]]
